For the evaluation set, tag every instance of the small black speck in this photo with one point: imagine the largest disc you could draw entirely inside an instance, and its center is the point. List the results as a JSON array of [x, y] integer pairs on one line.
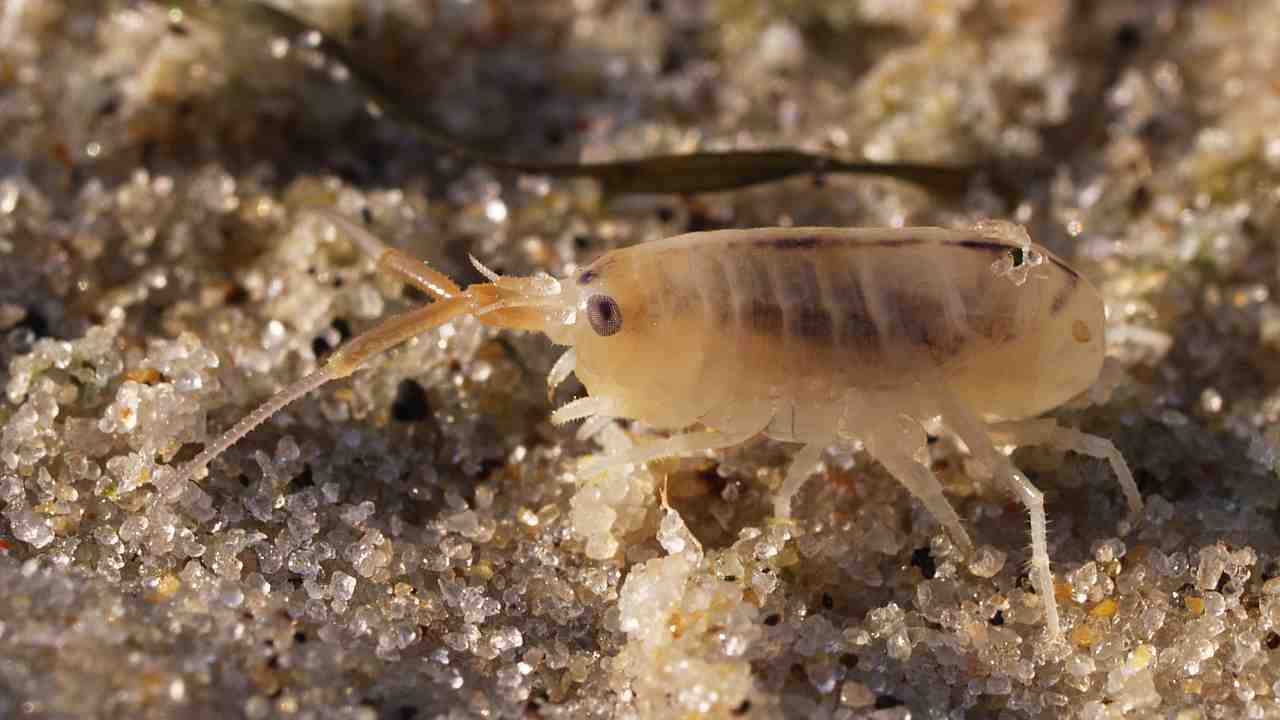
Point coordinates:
[[673, 60], [828, 602], [666, 214], [581, 241], [731, 578], [772, 619], [36, 322], [743, 709], [320, 347], [366, 215], [410, 404], [149, 148], [343, 327], [179, 29], [699, 221], [1154, 129], [884, 702], [1223, 579], [923, 559], [1018, 256], [998, 618], [1141, 199], [1128, 37], [1273, 641], [300, 638], [244, 480], [302, 480], [273, 662], [1250, 227], [238, 295], [554, 135], [109, 106], [656, 6]]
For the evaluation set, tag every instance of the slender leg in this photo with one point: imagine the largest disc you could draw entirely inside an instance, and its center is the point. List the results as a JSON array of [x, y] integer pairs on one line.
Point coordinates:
[[581, 408], [593, 425], [804, 464], [560, 371], [971, 430], [1049, 433], [683, 444], [343, 362], [896, 446], [394, 262]]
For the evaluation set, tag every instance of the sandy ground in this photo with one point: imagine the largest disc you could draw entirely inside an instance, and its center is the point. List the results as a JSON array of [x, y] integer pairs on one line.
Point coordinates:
[[413, 542]]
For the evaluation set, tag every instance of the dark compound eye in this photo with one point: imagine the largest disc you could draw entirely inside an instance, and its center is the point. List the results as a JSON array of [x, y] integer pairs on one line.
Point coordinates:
[[604, 314]]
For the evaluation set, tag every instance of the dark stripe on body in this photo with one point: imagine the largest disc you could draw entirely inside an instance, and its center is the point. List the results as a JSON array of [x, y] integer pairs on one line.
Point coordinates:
[[765, 318], [813, 325], [1001, 248], [984, 245], [809, 242], [789, 243]]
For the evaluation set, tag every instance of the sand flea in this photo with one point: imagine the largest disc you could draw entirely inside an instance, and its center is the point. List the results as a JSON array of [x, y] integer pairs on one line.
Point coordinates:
[[817, 336]]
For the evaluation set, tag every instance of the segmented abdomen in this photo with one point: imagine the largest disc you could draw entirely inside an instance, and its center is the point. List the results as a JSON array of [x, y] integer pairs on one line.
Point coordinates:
[[810, 317]]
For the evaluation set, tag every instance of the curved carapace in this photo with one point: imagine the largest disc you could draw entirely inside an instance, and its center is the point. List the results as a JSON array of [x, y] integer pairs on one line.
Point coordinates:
[[807, 314]]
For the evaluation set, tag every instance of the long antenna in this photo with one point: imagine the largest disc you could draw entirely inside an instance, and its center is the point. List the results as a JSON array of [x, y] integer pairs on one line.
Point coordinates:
[[246, 425]]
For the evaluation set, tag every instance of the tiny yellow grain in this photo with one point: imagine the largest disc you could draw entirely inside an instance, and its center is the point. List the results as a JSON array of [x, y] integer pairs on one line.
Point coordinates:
[[1194, 604], [146, 375], [1104, 609], [1084, 636], [1062, 590]]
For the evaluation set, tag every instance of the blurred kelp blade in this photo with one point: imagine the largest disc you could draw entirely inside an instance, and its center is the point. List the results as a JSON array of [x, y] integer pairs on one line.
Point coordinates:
[[692, 173]]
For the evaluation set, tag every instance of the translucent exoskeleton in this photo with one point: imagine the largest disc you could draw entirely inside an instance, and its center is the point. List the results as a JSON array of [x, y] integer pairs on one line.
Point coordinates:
[[817, 336]]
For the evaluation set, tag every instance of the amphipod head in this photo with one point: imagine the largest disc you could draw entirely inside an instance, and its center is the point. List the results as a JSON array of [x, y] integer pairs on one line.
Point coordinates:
[[634, 346], [632, 362]]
